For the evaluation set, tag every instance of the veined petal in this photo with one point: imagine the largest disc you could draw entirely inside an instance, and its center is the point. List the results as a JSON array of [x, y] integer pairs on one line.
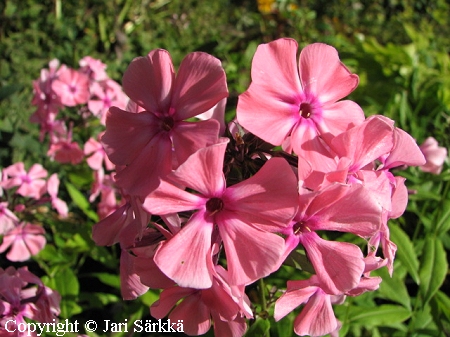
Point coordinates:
[[251, 253], [142, 175], [339, 117], [148, 81], [168, 299], [194, 314], [127, 134], [269, 198], [291, 299], [200, 84], [339, 265], [323, 74], [186, 258], [405, 151], [188, 137]]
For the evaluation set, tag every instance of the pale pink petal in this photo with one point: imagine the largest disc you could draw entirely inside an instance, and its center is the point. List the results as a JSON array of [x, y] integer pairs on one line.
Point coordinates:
[[435, 156], [234, 328], [399, 198], [189, 264], [251, 253], [404, 152], [61, 207], [365, 143], [323, 74], [53, 185], [317, 317], [127, 134], [148, 81], [200, 84], [150, 274], [339, 265], [37, 171], [217, 112]]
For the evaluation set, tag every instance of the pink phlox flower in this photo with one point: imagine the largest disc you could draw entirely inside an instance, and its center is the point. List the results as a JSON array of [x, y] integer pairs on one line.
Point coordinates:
[[64, 150], [93, 68], [317, 317], [104, 95], [23, 294], [297, 106], [160, 131], [8, 220], [124, 225], [343, 208], [367, 282], [24, 241], [57, 203], [243, 217], [435, 156], [30, 184], [104, 187], [97, 155], [71, 86], [219, 303]]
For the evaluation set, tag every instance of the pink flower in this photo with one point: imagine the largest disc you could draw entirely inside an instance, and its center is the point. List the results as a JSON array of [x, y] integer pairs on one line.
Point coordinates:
[[58, 204], [104, 95], [226, 305], [297, 107], [64, 150], [317, 317], [71, 86], [93, 68], [30, 183], [8, 219], [146, 142], [242, 216], [25, 240], [96, 155], [435, 156]]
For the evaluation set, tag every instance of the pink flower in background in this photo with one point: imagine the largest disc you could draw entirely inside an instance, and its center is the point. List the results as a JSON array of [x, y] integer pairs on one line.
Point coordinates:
[[24, 241], [435, 156], [96, 155], [8, 220], [147, 141], [298, 107], [64, 150], [242, 216], [52, 189], [31, 184], [93, 68], [71, 86]]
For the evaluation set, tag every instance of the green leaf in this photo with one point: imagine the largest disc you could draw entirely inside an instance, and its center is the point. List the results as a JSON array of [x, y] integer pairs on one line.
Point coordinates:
[[386, 314], [79, 200], [109, 279], [405, 251], [393, 288], [260, 328], [433, 269], [66, 283]]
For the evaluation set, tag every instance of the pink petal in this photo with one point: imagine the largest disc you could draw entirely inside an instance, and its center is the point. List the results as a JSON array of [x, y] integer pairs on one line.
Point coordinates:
[[168, 199], [188, 137], [194, 314], [399, 198], [292, 298], [127, 134], [142, 175], [200, 84], [251, 253], [317, 317], [189, 264], [148, 81], [130, 284], [202, 171], [405, 151], [323, 74], [339, 265], [168, 299], [339, 117], [267, 198]]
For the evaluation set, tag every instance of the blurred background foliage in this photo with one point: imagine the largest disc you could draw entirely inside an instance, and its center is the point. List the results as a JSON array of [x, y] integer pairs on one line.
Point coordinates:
[[399, 48]]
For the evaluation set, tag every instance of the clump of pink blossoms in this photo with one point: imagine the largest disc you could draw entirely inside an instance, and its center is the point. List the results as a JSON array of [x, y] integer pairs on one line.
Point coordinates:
[[204, 216]]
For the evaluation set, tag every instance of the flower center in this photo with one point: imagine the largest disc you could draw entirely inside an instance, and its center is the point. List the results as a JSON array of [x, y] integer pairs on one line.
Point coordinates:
[[300, 228], [305, 110], [167, 123], [214, 205]]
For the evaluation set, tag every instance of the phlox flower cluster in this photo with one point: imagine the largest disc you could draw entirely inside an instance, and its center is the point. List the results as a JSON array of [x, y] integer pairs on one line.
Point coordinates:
[[209, 208], [23, 295]]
